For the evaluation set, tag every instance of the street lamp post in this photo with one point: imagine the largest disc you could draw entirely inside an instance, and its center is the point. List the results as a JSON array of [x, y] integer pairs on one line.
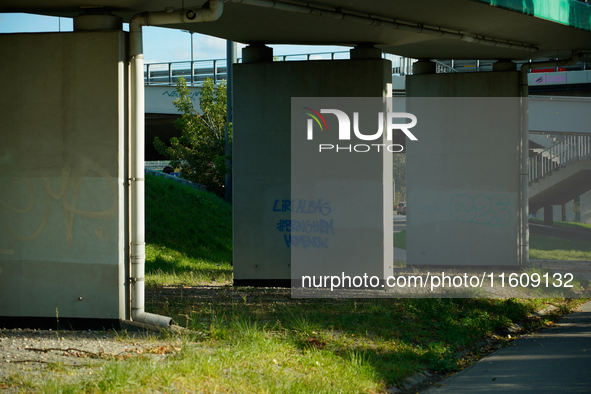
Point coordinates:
[[192, 60]]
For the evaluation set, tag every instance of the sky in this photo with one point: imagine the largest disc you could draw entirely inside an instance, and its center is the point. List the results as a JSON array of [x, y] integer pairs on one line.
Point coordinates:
[[160, 44]]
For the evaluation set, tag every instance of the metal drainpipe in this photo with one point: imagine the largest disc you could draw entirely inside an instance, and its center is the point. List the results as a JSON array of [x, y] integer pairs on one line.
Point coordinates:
[[138, 245], [524, 192]]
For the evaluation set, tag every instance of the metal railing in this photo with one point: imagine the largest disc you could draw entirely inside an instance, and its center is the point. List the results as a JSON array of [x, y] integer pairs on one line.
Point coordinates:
[[195, 72], [573, 147], [401, 65], [442, 68]]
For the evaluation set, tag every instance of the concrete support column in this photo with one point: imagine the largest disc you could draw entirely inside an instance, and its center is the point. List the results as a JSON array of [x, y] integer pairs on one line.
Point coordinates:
[[424, 66], [548, 215], [586, 207], [504, 65], [365, 52], [569, 214], [64, 152], [257, 53], [463, 172], [263, 204]]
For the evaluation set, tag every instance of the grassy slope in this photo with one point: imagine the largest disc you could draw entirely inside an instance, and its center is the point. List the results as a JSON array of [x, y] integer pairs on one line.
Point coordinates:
[[188, 235]]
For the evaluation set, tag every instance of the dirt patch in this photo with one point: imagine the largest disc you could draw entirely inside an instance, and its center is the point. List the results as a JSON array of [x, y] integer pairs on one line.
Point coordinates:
[[38, 355]]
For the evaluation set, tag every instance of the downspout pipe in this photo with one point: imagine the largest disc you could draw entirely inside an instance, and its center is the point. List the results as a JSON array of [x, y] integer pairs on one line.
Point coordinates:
[[524, 143], [137, 156]]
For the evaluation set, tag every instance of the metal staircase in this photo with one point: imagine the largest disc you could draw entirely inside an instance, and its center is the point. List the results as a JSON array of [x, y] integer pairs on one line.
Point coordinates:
[[560, 173], [571, 148]]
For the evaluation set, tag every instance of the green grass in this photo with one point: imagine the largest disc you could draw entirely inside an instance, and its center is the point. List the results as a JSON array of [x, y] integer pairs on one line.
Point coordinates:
[[540, 247], [252, 340], [552, 248], [400, 239], [188, 235], [578, 226], [263, 341]]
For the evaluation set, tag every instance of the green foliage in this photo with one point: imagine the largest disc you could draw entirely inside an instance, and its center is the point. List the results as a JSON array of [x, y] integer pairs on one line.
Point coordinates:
[[200, 151]]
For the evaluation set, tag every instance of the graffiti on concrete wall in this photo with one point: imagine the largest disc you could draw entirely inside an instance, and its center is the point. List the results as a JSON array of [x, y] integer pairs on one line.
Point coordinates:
[[174, 93], [305, 233], [480, 209], [549, 79], [67, 191]]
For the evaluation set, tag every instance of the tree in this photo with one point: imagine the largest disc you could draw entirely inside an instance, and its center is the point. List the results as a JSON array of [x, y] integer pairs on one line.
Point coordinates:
[[200, 151]]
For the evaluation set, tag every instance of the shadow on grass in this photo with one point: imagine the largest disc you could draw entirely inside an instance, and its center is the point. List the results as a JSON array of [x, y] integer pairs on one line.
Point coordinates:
[[396, 337]]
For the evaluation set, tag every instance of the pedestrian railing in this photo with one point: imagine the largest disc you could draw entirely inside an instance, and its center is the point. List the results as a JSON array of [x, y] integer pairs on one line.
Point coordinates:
[[442, 68], [571, 148], [195, 72]]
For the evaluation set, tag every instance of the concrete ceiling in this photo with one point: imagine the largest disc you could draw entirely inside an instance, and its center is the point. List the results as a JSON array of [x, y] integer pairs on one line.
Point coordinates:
[[252, 24]]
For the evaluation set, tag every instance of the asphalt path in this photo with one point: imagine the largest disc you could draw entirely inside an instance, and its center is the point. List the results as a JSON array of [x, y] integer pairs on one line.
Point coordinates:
[[560, 232], [399, 223], [554, 360]]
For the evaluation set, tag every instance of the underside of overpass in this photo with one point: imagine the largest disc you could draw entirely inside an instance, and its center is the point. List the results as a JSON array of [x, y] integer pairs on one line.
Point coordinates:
[[454, 29], [82, 179]]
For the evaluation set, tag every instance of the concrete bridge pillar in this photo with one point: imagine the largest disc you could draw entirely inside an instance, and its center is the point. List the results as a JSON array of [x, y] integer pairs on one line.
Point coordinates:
[[63, 208], [264, 158], [548, 215], [585, 206], [463, 172]]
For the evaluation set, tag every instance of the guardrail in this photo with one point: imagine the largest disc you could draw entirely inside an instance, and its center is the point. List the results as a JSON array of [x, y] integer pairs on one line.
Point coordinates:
[[442, 68], [195, 72], [573, 147]]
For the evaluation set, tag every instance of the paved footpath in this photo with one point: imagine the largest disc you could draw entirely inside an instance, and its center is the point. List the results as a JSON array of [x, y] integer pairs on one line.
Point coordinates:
[[554, 360]]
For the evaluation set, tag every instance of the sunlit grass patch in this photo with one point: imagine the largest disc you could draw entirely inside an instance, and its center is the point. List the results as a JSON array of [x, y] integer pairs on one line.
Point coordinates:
[[260, 340], [575, 225], [551, 248], [188, 235]]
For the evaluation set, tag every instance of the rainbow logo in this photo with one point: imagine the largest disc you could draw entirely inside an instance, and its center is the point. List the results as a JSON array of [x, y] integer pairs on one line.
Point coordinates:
[[315, 115]]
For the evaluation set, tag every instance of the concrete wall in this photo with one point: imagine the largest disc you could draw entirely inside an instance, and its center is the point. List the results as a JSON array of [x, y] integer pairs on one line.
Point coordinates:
[[559, 114], [262, 152], [63, 242], [463, 172], [568, 210], [586, 208], [556, 213], [159, 99]]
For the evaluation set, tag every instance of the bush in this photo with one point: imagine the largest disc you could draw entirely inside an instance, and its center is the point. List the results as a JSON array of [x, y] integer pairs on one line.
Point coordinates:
[[200, 151]]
